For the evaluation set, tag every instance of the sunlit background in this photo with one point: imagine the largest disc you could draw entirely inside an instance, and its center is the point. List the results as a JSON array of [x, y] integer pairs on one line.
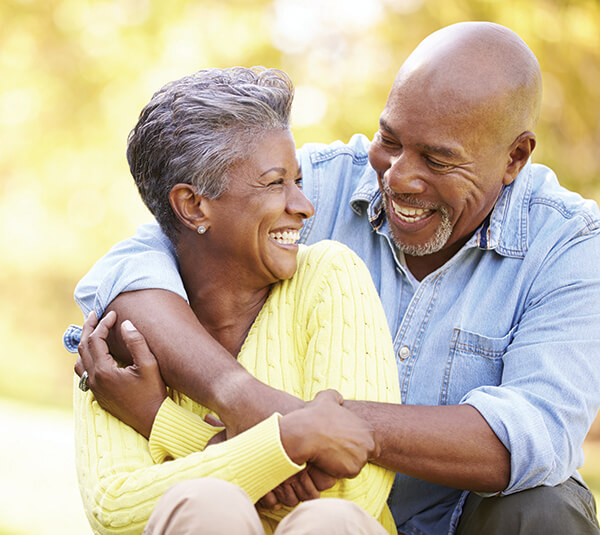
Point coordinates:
[[74, 75]]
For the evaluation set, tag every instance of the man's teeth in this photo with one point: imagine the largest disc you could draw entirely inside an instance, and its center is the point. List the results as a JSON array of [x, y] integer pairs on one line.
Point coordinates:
[[287, 237], [410, 214]]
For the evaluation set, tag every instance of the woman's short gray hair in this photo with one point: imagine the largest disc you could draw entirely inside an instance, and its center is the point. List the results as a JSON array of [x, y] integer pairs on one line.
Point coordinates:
[[195, 128]]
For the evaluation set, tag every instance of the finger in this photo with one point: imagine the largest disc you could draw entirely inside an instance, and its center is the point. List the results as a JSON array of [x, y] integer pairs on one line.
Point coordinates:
[[90, 323], [330, 395], [79, 368], [97, 345], [83, 347], [136, 343], [321, 480], [105, 324], [286, 495], [304, 487], [213, 420], [269, 501]]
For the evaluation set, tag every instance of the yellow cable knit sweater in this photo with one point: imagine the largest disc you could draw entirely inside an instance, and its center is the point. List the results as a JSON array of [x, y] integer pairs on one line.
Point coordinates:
[[324, 328]]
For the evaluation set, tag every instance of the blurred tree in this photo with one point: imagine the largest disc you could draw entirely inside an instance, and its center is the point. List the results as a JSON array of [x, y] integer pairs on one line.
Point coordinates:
[[75, 74]]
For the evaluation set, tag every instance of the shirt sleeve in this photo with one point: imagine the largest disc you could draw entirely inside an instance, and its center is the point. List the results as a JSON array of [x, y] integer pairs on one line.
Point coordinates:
[[349, 348], [120, 484], [146, 260], [549, 397]]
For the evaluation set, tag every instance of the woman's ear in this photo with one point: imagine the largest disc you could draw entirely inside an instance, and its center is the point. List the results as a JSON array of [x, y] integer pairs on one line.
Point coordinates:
[[189, 206], [520, 151]]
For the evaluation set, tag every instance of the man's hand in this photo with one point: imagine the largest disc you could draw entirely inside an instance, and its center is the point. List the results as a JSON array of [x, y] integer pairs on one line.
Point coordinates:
[[133, 394], [335, 443], [329, 436]]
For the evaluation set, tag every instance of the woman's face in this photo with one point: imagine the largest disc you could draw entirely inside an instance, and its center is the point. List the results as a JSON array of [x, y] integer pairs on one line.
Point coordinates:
[[255, 224]]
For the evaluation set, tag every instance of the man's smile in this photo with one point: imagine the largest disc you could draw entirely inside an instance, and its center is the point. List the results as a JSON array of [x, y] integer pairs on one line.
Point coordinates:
[[410, 214]]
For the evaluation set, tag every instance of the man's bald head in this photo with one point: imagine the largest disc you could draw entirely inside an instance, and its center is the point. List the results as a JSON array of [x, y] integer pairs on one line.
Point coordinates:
[[457, 127], [477, 66]]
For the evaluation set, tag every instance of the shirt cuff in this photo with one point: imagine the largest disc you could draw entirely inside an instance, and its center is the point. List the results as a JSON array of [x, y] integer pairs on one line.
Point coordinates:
[[259, 454], [177, 432]]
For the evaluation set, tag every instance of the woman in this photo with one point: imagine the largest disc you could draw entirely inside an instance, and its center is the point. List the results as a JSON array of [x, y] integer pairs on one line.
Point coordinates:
[[214, 160]]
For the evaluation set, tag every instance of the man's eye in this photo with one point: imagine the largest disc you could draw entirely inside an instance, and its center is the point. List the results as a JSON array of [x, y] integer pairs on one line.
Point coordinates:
[[276, 182], [299, 182], [385, 141], [438, 165]]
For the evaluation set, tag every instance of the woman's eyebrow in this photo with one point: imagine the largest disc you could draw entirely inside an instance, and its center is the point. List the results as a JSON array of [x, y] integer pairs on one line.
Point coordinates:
[[280, 170]]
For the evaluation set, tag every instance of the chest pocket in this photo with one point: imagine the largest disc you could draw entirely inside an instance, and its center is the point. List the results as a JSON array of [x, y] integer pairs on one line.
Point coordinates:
[[474, 360]]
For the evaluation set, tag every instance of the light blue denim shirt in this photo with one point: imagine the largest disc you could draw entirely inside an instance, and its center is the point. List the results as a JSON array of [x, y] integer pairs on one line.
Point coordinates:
[[509, 325]]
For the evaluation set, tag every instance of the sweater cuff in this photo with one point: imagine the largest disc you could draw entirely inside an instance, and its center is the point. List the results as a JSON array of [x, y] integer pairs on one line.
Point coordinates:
[[177, 432], [262, 460]]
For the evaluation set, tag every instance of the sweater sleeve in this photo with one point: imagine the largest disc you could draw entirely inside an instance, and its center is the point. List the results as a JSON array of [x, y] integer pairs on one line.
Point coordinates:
[[349, 348], [177, 432], [120, 484]]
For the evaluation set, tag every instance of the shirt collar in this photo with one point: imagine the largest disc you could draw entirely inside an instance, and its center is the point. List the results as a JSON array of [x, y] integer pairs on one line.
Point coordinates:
[[367, 198], [504, 230]]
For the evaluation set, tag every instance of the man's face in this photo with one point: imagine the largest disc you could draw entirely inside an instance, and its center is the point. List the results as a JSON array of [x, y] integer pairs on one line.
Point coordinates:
[[439, 170]]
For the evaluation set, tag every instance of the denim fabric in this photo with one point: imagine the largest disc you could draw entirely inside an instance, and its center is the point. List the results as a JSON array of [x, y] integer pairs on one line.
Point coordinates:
[[71, 338], [509, 325]]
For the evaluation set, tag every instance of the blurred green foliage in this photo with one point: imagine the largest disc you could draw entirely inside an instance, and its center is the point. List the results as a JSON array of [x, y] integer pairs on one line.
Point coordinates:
[[76, 73]]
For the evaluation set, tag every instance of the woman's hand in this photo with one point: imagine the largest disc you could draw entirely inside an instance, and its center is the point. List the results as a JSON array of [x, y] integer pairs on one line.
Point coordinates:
[[303, 486], [132, 394]]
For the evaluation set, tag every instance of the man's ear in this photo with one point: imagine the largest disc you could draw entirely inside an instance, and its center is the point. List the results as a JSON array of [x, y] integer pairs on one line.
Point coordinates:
[[189, 207], [520, 151]]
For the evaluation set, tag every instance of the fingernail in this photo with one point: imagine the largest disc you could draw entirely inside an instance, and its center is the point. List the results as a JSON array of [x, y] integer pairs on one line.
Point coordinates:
[[128, 326]]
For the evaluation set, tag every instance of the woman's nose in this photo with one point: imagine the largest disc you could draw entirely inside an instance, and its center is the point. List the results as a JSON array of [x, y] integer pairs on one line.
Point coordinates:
[[299, 204]]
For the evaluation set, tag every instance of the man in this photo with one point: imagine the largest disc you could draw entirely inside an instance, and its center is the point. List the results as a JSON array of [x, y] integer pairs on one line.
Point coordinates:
[[487, 270]]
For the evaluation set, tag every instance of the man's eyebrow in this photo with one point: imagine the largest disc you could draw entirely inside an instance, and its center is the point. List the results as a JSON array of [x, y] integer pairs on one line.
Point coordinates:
[[385, 126], [447, 152]]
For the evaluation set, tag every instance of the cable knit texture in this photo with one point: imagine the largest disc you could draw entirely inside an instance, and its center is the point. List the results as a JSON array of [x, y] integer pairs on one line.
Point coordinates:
[[324, 328]]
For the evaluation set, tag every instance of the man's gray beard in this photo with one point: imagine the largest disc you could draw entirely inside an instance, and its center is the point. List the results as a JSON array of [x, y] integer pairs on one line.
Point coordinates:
[[435, 244]]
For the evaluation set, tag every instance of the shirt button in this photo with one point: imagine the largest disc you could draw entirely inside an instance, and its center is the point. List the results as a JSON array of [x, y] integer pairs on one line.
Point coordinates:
[[404, 352]]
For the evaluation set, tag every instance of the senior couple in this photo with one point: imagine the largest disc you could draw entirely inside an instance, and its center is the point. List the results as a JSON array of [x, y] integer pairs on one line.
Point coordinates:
[[283, 383]]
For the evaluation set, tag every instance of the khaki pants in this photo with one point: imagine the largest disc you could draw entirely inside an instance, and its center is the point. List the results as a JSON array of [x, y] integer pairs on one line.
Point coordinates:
[[215, 507]]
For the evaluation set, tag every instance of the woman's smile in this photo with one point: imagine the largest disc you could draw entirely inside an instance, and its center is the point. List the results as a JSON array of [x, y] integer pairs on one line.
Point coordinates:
[[255, 224], [286, 237]]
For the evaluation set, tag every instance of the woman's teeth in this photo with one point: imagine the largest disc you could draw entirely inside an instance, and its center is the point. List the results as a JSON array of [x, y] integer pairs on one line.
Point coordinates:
[[287, 237]]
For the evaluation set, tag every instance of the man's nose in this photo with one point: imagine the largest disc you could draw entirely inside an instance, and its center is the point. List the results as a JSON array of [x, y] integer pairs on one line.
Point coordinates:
[[403, 176]]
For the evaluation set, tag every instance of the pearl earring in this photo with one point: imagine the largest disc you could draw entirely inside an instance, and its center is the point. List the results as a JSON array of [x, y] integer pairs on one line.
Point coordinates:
[[201, 229]]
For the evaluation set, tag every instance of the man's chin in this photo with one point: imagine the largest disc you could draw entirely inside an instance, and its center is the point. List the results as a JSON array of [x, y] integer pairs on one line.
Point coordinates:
[[434, 245]]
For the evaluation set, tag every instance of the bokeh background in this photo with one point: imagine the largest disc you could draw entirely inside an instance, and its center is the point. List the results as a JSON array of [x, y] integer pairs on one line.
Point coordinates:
[[74, 75]]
